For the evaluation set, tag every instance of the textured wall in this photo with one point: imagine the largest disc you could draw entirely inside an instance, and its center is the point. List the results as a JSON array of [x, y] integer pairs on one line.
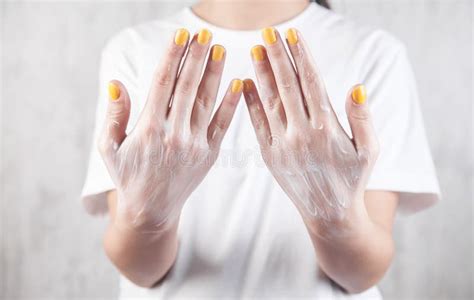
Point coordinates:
[[49, 54]]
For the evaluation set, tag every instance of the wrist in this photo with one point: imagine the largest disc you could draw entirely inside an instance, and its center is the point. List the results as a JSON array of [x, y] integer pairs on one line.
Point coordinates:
[[137, 216], [131, 224], [351, 222]]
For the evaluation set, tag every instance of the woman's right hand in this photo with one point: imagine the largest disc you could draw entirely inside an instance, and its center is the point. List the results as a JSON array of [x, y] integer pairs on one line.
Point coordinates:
[[174, 143]]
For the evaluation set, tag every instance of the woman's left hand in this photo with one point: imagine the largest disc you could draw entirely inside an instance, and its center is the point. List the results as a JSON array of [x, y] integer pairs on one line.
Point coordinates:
[[321, 169]]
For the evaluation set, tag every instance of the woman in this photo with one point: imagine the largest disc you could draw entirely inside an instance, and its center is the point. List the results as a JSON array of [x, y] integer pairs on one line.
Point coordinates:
[[196, 212]]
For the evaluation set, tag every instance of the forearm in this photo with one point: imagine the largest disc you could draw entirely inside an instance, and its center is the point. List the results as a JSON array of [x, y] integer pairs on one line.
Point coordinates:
[[144, 258], [355, 253]]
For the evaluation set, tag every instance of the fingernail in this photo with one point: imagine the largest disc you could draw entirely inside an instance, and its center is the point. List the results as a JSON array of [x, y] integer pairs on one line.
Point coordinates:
[[114, 91], [359, 94], [247, 85], [236, 85], [292, 36], [269, 35], [217, 53], [181, 37], [204, 36], [257, 52]]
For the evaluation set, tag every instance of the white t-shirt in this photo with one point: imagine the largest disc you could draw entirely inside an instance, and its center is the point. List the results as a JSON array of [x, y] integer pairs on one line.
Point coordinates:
[[240, 236]]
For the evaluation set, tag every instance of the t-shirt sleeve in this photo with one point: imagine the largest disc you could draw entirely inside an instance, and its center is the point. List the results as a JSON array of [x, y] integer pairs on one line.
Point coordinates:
[[404, 164], [116, 63]]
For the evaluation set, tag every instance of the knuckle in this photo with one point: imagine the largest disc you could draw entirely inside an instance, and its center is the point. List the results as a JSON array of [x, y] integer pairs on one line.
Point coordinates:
[[296, 140], [221, 124], [176, 142], [197, 146], [263, 70], [185, 87], [214, 69], [287, 83], [204, 101], [163, 79], [150, 132], [311, 77], [359, 117], [277, 52], [197, 51], [273, 102], [174, 51], [258, 123], [360, 114], [115, 112]]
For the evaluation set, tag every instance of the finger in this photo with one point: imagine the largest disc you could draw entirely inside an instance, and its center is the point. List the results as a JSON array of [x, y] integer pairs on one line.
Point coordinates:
[[360, 121], [188, 82], [221, 120], [207, 91], [285, 77], [118, 113], [257, 114], [268, 90], [165, 78], [312, 85]]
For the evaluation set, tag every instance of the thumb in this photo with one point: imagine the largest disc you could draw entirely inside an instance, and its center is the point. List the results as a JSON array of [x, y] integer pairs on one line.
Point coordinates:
[[360, 120], [116, 120]]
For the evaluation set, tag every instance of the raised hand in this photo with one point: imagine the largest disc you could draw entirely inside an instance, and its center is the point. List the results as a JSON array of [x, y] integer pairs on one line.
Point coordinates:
[[321, 169], [174, 143]]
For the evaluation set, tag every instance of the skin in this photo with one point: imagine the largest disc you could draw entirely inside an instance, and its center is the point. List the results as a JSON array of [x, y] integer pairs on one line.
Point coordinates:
[[162, 160], [354, 245], [353, 240]]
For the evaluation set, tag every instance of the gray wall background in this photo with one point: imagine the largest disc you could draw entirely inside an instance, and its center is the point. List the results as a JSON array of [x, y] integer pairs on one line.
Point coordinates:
[[49, 56]]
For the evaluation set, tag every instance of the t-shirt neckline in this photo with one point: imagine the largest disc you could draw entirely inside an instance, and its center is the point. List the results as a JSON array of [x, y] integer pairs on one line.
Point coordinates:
[[295, 21]]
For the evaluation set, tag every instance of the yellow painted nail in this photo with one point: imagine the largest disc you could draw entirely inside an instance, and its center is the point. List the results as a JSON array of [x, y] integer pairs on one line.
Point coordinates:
[[114, 91], [292, 36], [359, 94], [204, 36], [257, 52], [269, 35], [181, 37], [217, 53], [236, 86], [247, 85]]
